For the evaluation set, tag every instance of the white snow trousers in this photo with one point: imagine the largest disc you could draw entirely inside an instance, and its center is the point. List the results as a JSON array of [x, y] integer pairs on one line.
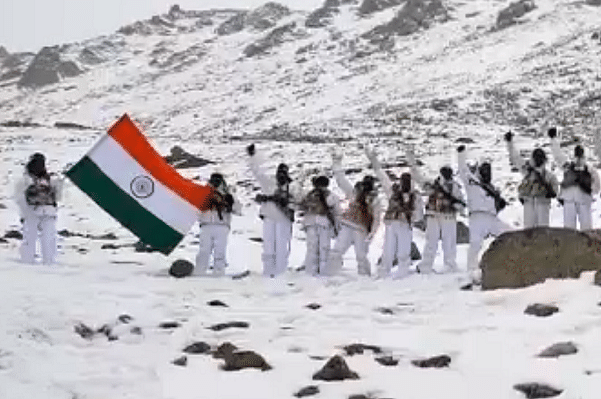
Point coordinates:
[[536, 212], [481, 226], [577, 211], [212, 240], [440, 227], [276, 246], [397, 245], [346, 237], [45, 227], [318, 249]]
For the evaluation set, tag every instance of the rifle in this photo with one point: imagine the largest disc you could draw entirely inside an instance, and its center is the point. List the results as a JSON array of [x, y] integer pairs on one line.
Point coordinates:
[[329, 215], [448, 195], [279, 201], [550, 191], [500, 202]]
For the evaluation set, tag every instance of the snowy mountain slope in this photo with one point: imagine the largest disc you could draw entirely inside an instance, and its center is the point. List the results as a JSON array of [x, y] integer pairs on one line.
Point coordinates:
[[180, 73]]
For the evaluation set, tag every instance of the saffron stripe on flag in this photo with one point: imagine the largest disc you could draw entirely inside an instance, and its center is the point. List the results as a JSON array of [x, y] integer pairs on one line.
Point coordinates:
[[120, 205], [123, 170], [127, 134]]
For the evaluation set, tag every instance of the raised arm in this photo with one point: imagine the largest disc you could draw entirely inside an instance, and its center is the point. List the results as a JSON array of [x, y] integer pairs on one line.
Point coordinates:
[[341, 180], [380, 174], [256, 164], [560, 158], [465, 174], [375, 224], [514, 157], [416, 173]]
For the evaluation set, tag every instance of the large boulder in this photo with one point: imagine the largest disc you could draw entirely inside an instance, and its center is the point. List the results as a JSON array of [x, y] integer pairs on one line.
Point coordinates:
[[47, 68], [521, 258], [335, 369], [512, 13], [415, 15]]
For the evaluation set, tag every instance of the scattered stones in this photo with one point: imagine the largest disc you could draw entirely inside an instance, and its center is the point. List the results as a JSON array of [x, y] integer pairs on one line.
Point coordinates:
[[371, 6], [541, 310], [245, 359], [559, 349], [180, 159], [358, 349], [84, 331], [107, 331], [307, 391], [231, 324], [387, 361], [521, 258], [109, 246], [181, 268], [536, 390], [107, 236], [217, 302], [436, 361], [170, 324], [335, 369], [224, 349], [181, 361], [313, 306], [384, 310], [14, 234], [197, 348], [274, 38]]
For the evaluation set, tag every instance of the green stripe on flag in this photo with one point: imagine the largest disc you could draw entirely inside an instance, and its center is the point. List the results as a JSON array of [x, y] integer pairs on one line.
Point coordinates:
[[120, 205]]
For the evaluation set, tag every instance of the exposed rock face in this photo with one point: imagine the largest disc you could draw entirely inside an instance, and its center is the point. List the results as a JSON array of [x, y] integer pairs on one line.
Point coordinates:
[[12, 66], [323, 15], [371, 6], [48, 68], [509, 15], [260, 19], [521, 258], [415, 15], [593, 2], [3, 52], [275, 38]]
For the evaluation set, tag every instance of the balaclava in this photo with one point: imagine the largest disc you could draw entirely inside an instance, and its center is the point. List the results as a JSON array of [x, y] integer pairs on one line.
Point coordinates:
[[539, 157]]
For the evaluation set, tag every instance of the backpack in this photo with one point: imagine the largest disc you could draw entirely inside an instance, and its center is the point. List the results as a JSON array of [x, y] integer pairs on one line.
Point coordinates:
[[40, 192]]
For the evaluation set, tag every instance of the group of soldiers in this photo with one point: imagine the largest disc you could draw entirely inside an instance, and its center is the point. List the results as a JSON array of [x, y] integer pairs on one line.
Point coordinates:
[[332, 224], [325, 219]]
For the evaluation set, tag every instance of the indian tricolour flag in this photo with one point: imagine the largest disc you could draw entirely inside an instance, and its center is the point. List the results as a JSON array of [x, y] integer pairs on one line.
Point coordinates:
[[128, 179]]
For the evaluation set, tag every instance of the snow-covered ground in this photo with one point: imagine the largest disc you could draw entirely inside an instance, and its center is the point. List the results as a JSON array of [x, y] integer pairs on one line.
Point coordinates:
[[491, 342]]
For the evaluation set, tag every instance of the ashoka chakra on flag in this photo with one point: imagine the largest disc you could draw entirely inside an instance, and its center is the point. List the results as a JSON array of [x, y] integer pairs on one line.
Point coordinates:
[[127, 178]]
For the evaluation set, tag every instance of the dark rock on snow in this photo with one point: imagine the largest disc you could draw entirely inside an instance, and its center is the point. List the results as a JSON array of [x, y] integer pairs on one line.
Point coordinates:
[[371, 6], [385, 310], [180, 159], [71, 125], [13, 234], [541, 310], [181, 268], [142, 247], [136, 330], [217, 302], [335, 369], [226, 348], [387, 360], [536, 390], [84, 331], [307, 391], [559, 349], [197, 348], [245, 359], [47, 68], [231, 324], [181, 361], [358, 349], [170, 324], [436, 361], [525, 257], [3, 240], [313, 306]]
